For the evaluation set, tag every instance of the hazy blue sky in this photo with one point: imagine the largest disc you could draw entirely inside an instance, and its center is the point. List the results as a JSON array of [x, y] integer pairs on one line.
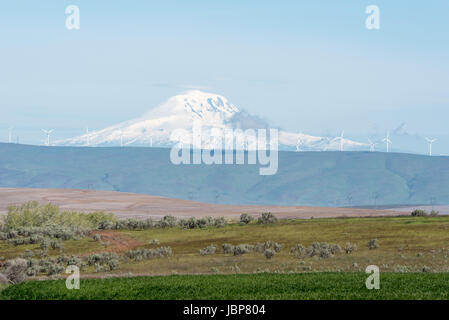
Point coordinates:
[[308, 66]]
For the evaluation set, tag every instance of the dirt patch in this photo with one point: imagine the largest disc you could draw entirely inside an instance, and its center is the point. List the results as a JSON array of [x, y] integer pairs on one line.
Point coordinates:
[[129, 205]]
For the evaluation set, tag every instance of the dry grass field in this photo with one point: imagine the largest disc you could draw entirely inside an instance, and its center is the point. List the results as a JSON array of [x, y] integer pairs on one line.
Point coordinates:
[[406, 244], [126, 205]]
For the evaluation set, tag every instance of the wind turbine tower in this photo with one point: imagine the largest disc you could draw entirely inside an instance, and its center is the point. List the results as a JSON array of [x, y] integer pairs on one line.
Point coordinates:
[[10, 134], [298, 145], [371, 145], [387, 141], [87, 136], [48, 132], [430, 141], [341, 139]]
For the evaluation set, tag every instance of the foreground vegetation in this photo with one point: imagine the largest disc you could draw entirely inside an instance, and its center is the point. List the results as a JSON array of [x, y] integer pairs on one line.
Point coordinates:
[[40, 242], [240, 287]]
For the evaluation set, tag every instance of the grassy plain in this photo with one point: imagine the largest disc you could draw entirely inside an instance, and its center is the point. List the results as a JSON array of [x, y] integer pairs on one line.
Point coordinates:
[[241, 287]]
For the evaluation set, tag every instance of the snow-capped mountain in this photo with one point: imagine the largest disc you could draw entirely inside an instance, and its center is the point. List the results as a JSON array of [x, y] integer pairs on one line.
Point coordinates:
[[181, 111]]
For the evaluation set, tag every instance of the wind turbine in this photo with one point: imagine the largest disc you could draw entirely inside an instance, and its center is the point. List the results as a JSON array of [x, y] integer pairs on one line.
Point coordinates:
[[387, 141], [87, 136], [10, 134], [298, 145], [341, 139], [121, 138], [371, 145], [430, 141], [326, 146], [48, 132]]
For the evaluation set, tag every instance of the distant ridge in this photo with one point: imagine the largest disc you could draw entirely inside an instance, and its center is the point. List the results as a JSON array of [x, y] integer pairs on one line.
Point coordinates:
[[304, 178]]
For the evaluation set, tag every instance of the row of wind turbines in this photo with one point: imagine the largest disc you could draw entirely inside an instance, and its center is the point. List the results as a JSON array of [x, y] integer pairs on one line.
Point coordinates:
[[340, 138], [49, 132], [372, 144]]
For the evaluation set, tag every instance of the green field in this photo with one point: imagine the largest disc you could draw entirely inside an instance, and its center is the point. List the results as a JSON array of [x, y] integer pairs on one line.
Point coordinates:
[[254, 286]]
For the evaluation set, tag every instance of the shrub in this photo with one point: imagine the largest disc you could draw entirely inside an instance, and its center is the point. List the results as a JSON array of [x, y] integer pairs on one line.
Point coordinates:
[[97, 237], [55, 268], [373, 244], [75, 261], [299, 251], [220, 222], [434, 213], [419, 213], [45, 244], [3, 236], [262, 246], [167, 222], [16, 270], [317, 249], [142, 253], [228, 248], [3, 279], [242, 249], [266, 218], [269, 253], [56, 244], [245, 218], [350, 247], [208, 250], [153, 241], [106, 261]]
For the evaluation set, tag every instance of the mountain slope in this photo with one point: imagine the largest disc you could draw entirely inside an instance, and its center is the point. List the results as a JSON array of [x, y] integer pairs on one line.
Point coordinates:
[[303, 178], [179, 112]]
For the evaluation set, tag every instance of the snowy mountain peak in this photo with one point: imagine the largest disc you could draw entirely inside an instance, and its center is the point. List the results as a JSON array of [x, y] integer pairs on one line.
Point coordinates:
[[154, 128], [196, 105]]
